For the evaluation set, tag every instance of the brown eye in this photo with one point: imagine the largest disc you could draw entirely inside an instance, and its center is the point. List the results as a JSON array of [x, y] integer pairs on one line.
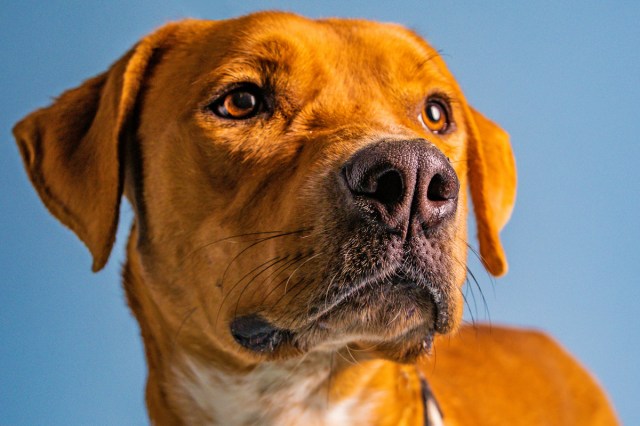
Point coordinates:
[[238, 104], [435, 116]]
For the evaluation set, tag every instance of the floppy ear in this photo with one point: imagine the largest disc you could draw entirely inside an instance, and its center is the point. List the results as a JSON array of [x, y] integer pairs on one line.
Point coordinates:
[[492, 181], [73, 149]]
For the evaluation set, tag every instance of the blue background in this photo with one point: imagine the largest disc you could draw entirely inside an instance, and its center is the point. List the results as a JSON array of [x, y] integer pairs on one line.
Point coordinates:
[[562, 77]]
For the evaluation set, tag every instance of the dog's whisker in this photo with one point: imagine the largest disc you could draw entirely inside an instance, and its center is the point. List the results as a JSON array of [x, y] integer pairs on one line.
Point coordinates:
[[329, 287], [348, 361], [262, 240], [355, 361], [183, 260], [475, 281], [294, 263], [292, 297], [296, 270], [256, 275], [286, 263], [228, 293], [477, 284], [372, 346], [420, 66], [290, 263], [482, 262], [295, 285], [231, 238], [469, 290], [466, 302], [181, 326]]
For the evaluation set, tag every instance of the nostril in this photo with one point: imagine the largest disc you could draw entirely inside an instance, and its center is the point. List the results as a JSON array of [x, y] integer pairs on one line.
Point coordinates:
[[441, 189], [389, 188]]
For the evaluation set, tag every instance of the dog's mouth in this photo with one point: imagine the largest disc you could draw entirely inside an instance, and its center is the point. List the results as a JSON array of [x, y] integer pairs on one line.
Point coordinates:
[[257, 334], [399, 318]]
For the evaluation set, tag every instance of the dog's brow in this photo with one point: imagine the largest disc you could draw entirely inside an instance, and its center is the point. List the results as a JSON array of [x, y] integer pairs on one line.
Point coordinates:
[[274, 49], [422, 64], [262, 58]]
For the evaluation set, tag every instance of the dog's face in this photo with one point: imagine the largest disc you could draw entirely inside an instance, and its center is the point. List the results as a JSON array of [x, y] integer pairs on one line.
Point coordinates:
[[297, 184]]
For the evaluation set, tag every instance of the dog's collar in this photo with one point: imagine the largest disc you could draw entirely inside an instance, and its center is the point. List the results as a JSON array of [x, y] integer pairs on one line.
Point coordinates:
[[432, 412]]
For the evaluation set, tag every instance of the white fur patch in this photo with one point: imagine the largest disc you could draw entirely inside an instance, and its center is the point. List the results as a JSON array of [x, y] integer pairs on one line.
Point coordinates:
[[288, 393]]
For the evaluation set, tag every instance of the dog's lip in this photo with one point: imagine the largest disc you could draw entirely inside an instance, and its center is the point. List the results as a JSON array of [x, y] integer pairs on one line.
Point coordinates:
[[403, 347], [257, 334], [317, 316], [440, 318]]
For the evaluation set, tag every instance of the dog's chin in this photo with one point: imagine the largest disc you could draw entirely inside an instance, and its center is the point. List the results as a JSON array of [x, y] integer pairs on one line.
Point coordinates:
[[391, 320], [395, 321], [402, 343]]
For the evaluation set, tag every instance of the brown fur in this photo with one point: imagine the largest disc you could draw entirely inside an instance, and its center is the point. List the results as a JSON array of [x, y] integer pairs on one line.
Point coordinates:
[[239, 217]]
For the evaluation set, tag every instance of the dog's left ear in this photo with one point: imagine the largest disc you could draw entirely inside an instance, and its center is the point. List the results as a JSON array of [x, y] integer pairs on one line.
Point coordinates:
[[492, 181], [73, 150]]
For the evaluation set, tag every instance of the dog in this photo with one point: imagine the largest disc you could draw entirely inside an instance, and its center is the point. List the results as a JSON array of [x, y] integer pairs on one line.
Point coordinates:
[[300, 242]]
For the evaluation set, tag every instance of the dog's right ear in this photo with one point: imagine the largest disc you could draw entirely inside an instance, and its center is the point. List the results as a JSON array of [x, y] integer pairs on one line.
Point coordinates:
[[73, 149], [492, 182]]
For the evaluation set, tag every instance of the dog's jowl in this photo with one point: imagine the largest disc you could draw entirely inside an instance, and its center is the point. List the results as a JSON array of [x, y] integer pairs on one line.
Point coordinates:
[[300, 242]]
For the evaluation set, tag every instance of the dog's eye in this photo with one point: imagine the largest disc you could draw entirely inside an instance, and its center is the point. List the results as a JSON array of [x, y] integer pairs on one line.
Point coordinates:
[[435, 116], [239, 104]]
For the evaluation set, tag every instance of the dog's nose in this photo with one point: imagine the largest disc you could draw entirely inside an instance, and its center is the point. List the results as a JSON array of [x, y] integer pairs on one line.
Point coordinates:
[[402, 184]]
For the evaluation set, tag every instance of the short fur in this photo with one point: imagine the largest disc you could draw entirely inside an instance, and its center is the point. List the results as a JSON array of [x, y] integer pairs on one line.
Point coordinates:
[[236, 218]]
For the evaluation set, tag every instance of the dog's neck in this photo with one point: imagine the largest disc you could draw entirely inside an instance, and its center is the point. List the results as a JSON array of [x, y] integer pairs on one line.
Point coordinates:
[[321, 388], [280, 393]]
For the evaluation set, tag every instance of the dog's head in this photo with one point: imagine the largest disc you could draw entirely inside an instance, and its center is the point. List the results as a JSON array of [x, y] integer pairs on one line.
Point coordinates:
[[297, 184]]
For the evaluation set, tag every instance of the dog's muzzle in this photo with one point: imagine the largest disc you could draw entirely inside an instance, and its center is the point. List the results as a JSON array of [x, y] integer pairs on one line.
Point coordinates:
[[393, 200]]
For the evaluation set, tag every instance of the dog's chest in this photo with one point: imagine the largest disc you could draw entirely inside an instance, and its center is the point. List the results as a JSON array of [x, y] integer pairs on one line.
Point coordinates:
[[291, 394]]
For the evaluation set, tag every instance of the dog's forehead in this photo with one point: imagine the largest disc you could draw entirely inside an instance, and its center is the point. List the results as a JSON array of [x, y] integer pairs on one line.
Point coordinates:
[[333, 40], [276, 42]]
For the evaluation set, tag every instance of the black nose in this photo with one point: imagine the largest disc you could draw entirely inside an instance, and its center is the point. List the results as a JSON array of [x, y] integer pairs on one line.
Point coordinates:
[[402, 184]]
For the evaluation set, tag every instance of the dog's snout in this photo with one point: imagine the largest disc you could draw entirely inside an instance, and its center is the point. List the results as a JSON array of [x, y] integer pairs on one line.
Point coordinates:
[[402, 184]]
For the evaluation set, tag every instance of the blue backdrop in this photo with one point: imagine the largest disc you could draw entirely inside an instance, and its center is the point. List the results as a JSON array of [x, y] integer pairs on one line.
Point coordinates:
[[562, 77]]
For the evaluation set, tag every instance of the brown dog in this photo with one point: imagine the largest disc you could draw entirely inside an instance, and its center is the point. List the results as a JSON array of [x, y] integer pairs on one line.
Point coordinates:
[[299, 190]]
